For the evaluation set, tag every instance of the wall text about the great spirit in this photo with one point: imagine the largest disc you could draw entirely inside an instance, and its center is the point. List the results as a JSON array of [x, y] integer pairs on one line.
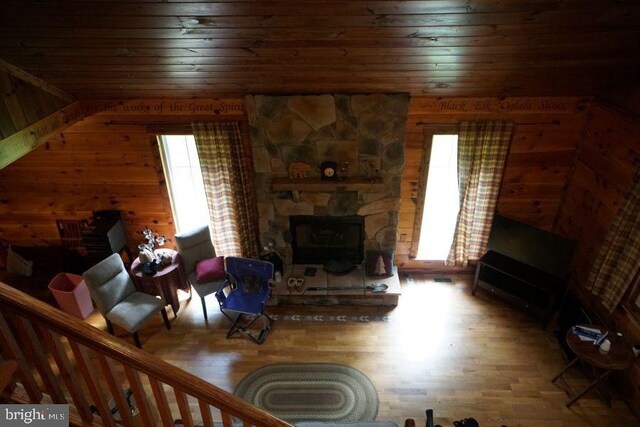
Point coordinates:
[[166, 107]]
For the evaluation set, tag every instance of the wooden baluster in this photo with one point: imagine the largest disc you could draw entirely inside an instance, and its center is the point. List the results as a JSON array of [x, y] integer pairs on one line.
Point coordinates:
[[89, 374], [161, 401], [8, 369], [205, 411], [12, 351], [226, 419], [54, 343], [183, 406], [142, 402], [40, 360], [117, 388]]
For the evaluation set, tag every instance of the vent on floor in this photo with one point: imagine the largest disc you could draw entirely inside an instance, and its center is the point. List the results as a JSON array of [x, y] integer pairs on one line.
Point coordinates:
[[442, 280]]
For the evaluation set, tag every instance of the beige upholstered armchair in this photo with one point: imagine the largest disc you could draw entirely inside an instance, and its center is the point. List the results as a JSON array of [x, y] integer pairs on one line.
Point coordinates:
[[116, 297]]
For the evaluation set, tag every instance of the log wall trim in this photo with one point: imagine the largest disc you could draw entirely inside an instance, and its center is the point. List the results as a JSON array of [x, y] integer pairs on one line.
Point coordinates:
[[35, 81], [165, 107], [17, 145]]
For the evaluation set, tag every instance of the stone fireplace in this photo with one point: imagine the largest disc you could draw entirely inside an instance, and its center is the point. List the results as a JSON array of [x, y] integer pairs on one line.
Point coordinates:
[[367, 131]]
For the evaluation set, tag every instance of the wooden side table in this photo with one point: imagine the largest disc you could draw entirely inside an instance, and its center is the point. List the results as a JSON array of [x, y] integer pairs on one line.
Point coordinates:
[[618, 358], [165, 282]]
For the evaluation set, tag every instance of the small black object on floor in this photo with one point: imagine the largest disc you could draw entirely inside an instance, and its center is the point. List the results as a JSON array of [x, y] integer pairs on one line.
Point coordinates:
[[442, 280], [466, 422]]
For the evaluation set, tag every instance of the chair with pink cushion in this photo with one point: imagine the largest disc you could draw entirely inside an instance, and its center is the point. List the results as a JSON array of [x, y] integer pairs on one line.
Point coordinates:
[[204, 270]]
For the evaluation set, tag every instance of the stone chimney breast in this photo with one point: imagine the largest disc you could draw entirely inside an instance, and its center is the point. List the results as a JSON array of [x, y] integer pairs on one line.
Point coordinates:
[[362, 134]]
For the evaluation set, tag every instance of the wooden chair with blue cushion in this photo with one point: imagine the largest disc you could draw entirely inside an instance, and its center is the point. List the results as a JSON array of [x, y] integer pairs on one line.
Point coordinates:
[[118, 301], [195, 247], [244, 295]]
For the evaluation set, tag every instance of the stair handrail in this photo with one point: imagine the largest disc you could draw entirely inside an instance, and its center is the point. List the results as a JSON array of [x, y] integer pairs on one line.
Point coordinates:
[[66, 325]]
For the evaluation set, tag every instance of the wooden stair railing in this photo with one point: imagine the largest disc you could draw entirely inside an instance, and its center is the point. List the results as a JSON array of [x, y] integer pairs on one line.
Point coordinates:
[[80, 365], [7, 371]]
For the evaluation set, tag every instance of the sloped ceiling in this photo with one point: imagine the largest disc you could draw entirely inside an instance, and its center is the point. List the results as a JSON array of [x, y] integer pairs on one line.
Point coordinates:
[[151, 49], [22, 104]]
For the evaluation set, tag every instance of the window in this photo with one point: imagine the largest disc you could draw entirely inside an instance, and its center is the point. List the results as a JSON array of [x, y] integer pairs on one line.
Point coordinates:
[[441, 199], [184, 181]]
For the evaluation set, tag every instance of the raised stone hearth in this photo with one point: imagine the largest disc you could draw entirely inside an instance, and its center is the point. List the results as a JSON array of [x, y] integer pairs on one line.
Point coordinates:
[[356, 282]]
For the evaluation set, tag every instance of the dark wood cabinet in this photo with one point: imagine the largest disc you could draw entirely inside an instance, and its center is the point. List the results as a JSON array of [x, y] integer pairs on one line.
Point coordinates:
[[523, 285], [104, 236]]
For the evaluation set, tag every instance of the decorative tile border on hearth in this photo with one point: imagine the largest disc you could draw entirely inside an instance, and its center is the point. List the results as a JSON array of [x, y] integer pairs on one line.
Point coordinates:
[[329, 318], [368, 131]]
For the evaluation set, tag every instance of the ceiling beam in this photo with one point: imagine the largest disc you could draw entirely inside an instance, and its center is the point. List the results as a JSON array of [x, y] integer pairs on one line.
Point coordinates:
[[20, 143], [35, 81]]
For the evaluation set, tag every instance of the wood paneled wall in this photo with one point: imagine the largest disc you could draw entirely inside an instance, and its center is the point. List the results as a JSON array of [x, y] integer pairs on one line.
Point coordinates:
[[607, 157], [622, 94], [22, 104], [540, 158], [109, 160]]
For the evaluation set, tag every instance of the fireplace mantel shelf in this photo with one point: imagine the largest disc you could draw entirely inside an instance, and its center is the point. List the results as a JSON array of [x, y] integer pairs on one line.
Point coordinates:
[[319, 185]]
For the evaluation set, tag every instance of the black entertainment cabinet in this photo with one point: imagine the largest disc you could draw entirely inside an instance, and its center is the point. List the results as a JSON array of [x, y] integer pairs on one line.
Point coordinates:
[[522, 285], [525, 266]]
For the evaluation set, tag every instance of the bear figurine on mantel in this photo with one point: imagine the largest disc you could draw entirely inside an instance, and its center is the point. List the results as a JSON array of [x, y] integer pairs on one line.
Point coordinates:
[[299, 170]]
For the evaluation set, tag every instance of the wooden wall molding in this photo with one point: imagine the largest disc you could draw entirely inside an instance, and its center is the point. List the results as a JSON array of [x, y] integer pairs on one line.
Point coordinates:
[[17, 145], [35, 81], [165, 107], [434, 106]]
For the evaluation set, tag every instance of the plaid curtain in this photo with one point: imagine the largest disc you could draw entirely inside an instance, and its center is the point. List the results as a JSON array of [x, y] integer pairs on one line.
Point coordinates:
[[618, 259], [229, 186], [482, 151]]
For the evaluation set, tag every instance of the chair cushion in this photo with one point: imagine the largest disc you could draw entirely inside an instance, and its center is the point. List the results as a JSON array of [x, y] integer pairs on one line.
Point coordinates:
[[206, 288], [210, 269], [132, 311]]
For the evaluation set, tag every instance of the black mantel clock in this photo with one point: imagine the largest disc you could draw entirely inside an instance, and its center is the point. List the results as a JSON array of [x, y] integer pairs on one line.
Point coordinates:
[[329, 170]]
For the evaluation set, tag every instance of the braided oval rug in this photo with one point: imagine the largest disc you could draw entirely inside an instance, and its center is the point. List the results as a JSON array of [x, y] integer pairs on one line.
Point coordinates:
[[324, 392]]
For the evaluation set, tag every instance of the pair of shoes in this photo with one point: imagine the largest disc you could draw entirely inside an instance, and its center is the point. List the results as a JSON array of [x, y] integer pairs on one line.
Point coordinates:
[[466, 422]]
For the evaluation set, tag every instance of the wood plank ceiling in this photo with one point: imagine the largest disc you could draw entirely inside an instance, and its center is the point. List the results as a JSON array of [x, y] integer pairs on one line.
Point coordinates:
[[160, 48]]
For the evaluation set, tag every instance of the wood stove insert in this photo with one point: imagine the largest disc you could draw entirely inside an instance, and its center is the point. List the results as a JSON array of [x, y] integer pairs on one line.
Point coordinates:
[[320, 239]]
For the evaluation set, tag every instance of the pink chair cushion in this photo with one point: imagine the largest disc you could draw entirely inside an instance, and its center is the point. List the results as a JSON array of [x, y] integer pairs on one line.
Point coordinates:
[[210, 269]]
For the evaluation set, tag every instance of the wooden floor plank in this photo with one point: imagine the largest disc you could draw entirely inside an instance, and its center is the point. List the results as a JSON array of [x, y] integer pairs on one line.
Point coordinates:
[[441, 348]]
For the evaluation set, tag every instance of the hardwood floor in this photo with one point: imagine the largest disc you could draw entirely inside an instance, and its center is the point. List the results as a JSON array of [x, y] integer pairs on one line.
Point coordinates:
[[441, 348]]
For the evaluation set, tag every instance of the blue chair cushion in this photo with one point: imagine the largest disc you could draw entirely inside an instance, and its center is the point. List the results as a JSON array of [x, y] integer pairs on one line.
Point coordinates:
[[250, 303]]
